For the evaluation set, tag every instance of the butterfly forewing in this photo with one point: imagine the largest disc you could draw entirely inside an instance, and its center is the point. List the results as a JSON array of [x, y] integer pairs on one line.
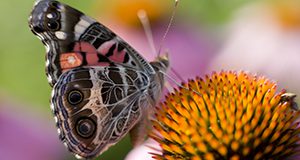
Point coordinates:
[[73, 39]]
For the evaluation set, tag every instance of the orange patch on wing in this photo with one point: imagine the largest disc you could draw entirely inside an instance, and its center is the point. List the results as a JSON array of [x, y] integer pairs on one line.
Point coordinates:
[[70, 60]]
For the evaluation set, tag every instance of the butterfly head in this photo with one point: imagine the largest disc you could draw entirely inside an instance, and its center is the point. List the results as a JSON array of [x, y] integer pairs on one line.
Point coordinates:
[[164, 61], [161, 64]]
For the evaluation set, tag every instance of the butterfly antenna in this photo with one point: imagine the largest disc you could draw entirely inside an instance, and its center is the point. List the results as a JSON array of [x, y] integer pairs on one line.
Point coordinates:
[[168, 27], [142, 14], [176, 74], [164, 38]]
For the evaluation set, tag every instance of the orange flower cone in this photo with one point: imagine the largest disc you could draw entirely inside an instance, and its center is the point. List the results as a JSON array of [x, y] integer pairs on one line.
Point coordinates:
[[227, 115]]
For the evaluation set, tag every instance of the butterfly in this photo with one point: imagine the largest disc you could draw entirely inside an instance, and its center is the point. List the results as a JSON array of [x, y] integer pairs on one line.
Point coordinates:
[[102, 88]]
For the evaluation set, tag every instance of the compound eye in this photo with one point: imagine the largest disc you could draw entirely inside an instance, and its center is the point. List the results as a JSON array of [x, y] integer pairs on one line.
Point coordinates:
[[85, 128], [75, 97]]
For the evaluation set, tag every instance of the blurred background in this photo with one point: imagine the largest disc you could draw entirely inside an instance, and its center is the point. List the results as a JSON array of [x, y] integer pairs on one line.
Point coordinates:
[[262, 37]]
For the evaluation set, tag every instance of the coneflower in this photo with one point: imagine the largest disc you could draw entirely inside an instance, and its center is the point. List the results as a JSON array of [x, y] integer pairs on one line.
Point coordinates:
[[227, 115]]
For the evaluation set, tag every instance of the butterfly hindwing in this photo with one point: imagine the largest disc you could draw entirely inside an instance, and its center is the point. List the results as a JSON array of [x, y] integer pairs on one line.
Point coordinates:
[[94, 110]]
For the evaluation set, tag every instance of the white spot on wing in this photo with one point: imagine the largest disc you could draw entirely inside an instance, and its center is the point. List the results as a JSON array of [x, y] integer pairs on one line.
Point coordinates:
[[82, 25], [55, 119], [71, 60], [78, 156], [47, 48], [79, 30], [49, 15], [49, 78], [47, 62], [52, 93], [58, 131], [65, 144], [52, 107], [61, 35]]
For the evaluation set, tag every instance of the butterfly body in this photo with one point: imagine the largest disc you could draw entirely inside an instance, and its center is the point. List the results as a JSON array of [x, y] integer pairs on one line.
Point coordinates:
[[102, 87]]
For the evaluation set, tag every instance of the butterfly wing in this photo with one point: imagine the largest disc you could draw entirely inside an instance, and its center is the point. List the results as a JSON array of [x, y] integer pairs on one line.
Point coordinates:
[[73, 39], [100, 82], [95, 107]]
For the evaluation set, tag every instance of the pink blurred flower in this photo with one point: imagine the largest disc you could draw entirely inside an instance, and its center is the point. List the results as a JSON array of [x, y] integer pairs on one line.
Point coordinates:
[[264, 38], [143, 151], [26, 135]]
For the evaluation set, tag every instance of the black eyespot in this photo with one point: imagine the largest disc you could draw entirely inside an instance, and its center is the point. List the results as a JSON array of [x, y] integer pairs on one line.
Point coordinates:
[[75, 97], [85, 128], [55, 4], [53, 25], [37, 29]]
